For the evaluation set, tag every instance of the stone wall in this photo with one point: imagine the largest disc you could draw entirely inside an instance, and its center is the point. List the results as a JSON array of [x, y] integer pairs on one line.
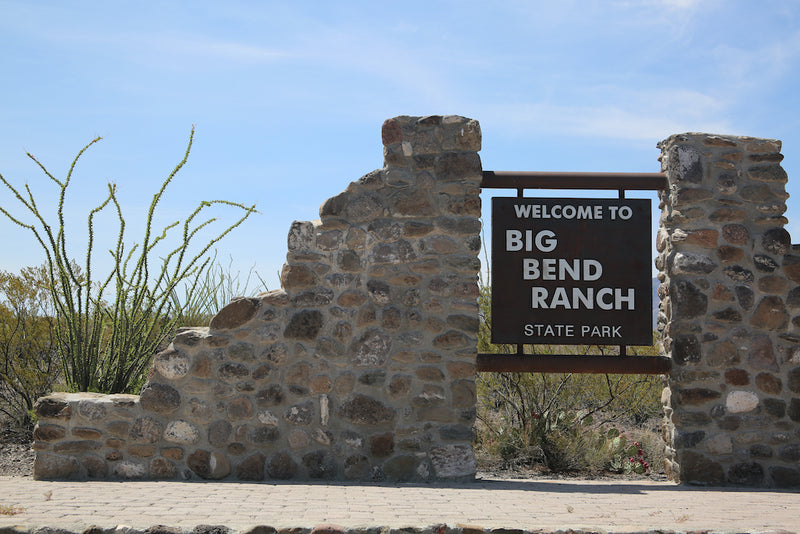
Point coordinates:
[[730, 313], [362, 367]]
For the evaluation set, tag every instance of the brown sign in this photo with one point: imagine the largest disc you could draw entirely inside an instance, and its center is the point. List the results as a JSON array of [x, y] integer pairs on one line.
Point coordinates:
[[571, 271]]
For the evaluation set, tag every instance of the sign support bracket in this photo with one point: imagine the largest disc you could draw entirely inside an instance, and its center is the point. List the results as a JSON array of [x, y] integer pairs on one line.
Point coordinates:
[[622, 348]]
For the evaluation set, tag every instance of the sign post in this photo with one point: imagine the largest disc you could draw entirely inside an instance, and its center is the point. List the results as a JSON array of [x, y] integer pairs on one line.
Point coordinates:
[[571, 271]]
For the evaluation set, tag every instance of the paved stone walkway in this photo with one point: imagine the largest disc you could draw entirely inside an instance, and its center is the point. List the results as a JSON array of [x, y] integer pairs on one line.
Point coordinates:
[[530, 505]]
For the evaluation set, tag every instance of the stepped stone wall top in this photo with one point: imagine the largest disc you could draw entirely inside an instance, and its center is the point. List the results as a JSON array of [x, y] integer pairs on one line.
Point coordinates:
[[362, 367]]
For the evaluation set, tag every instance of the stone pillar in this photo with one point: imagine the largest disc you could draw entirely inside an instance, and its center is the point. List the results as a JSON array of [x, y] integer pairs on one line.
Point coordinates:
[[728, 317]]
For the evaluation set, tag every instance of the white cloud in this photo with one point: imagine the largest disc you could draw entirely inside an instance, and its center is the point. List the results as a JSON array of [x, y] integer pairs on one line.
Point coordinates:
[[672, 5], [757, 67], [683, 4], [163, 47], [185, 51], [203, 48], [619, 114]]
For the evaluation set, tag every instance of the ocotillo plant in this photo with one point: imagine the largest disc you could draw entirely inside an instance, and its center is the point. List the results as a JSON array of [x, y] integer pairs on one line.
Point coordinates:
[[106, 345]]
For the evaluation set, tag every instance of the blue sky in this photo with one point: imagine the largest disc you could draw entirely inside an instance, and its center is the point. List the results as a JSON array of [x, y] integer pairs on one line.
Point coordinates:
[[288, 97]]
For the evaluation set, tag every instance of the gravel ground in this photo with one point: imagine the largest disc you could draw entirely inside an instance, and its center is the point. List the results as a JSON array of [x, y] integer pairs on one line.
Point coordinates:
[[16, 453], [16, 460]]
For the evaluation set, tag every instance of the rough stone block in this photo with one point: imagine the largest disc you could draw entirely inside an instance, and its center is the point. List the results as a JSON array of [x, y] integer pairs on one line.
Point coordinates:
[[770, 314], [209, 465], [160, 398], [453, 462], [53, 407], [304, 325], [364, 410], [48, 466], [698, 469], [48, 432]]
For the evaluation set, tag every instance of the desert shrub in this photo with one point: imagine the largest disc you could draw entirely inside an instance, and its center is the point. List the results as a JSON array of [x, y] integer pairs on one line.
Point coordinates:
[[29, 364], [107, 328], [566, 422], [557, 419]]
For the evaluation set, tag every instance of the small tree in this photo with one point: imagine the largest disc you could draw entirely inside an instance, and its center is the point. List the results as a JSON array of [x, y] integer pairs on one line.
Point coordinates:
[[107, 345], [28, 352]]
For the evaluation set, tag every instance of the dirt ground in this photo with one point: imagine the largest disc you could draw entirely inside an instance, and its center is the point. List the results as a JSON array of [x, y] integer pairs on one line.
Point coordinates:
[[16, 453]]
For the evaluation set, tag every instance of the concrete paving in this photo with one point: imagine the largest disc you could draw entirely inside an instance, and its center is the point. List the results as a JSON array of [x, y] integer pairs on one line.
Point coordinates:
[[530, 505]]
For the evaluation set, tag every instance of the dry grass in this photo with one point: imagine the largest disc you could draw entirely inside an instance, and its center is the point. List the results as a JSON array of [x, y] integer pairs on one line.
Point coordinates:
[[574, 451], [10, 510]]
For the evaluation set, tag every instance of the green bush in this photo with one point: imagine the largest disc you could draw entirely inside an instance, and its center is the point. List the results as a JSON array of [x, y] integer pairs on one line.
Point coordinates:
[[556, 419], [29, 364], [107, 328], [565, 422]]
